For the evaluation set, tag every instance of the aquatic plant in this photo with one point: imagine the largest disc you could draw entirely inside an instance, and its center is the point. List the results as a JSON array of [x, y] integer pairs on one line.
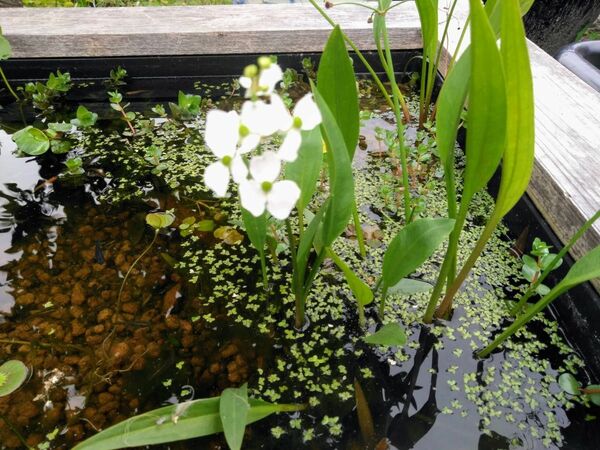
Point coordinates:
[[12, 375], [6, 53], [115, 99], [584, 269], [229, 413], [44, 96], [571, 386], [187, 107], [535, 263]]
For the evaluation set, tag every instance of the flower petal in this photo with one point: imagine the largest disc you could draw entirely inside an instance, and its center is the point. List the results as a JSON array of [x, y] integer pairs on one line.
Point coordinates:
[[245, 82], [265, 167], [282, 198], [308, 111], [222, 132], [269, 78], [252, 197], [259, 117], [216, 177], [289, 148], [239, 171], [248, 143], [281, 113]]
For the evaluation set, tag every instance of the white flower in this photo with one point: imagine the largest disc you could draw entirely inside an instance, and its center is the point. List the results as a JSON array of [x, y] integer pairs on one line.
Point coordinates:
[[260, 118], [268, 79], [305, 117], [263, 192], [223, 133]]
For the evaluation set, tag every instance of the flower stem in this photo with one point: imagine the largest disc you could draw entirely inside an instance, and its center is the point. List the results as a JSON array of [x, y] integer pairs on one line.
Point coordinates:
[[8, 86]]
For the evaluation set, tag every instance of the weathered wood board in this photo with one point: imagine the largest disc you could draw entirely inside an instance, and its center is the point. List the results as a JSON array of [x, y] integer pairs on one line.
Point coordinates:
[[566, 180]]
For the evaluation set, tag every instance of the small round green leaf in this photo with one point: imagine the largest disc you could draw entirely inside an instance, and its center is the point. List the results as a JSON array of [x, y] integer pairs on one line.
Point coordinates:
[[31, 141], [569, 384], [594, 398], [12, 375]]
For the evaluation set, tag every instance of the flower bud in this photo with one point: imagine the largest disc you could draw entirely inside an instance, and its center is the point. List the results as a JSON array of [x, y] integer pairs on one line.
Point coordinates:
[[264, 62], [251, 71]]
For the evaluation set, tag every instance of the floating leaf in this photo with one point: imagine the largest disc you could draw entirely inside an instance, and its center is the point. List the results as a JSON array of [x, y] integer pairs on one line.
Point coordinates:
[[408, 286], [595, 397], [31, 141], [160, 220], [233, 411], [337, 84], [412, 246], [390, 334], [12, 375], [569, 384], [228, 235]]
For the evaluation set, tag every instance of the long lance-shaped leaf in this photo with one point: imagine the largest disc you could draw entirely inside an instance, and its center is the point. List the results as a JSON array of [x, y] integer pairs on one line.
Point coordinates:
[[361, 290], [186, 420], [486, 132], [412, 246], [256, 229], [585, 269], [305, 170], [337, 84], [341, 182], [517, 163]]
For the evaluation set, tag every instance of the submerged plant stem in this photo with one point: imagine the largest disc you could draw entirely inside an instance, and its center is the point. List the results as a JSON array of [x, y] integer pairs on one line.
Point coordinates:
[[129, 272], [359, 232]]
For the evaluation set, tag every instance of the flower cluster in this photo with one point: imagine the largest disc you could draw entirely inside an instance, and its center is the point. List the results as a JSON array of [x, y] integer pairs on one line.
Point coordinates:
[[232, 138]]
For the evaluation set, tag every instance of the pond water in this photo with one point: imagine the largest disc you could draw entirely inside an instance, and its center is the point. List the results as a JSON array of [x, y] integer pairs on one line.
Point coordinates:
[[192, 318]]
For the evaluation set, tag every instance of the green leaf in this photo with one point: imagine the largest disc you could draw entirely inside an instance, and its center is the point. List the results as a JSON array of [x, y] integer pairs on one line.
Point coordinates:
[[60, 127], [361, 290], [60, 147], [160, 220], [408, 286], [584, 269], [450, 106], [594, 398], [412, 246], [428, 15], [390, 334], [337, 84], [305, 170], [85, 118], [341, 181], [31, 141], [256, 229], [174, 423], [542, 290], [517, 161], [233, 411], [486, 132], [5, 48], [547, 260], [12, 375], [569, 384], [308, 239]]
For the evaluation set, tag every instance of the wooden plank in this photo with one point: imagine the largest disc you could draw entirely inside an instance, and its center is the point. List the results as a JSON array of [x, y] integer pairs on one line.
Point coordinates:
[[88, 32]]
